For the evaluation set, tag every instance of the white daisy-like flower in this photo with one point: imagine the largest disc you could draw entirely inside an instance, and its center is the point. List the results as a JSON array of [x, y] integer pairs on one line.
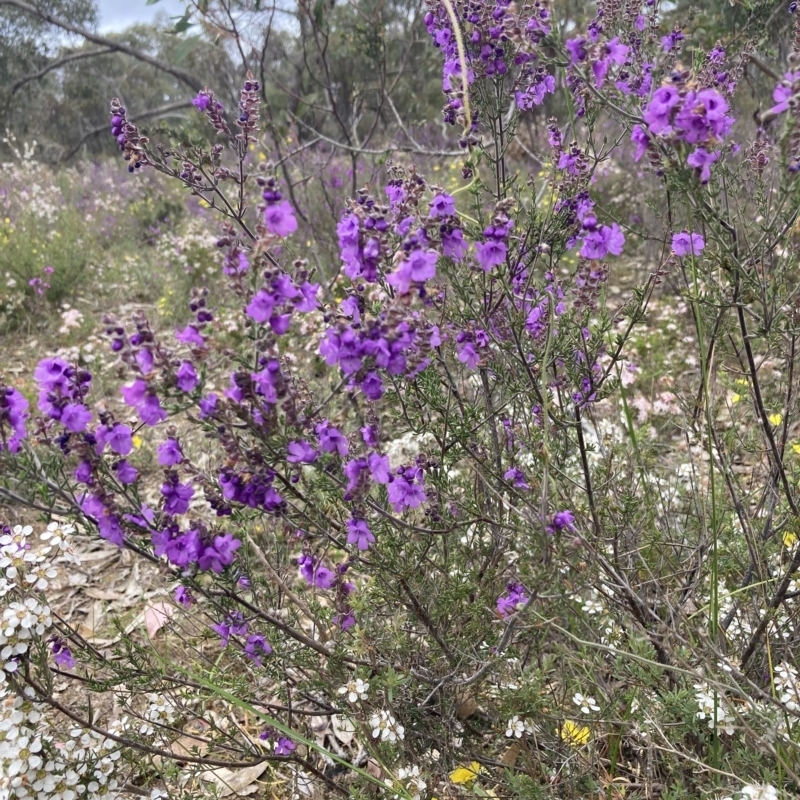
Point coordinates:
[[515, 727], [385, 726], [587, 704], [355, 690]]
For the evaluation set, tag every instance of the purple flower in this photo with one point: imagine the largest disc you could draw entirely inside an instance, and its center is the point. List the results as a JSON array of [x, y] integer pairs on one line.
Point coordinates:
[[182, 549], [260, 308], [701, 159], [659, 110], [83, 472], [443, 205], [284, 746], [379, 467], [562, 520], [687, 244], [315, 573], [50, 374], [490, 254], [183, 596], [467, 354], [783, 92], [177, 496], [119, 438], [345, 621], [220, 554], [144, 401], [234, 625], [280, 219], [256, 647], [419, 267], [126, 473], [202, 101], [14, 413], [517, 478], [454, 245], [186, 377], [331, 439], [577, 50], [513, 599], [62, 654], [191, 335], [301, 452], [169, 453], [671, 40], [359, 534], [208, 406], [597, 244], [75, 417], [640, 138], [405, 492]]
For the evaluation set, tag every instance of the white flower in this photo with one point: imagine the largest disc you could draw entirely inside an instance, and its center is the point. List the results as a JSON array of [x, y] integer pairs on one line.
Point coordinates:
[[756, 791], [355, 690], [587, 704], [385, 726], [516, 727]]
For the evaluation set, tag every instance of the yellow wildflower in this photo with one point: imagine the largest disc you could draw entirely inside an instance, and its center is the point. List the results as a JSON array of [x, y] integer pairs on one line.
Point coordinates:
[[796, 448], [789, 538], [735, 398], [574, 733], [775, 419], [137, 441], [466, 774]]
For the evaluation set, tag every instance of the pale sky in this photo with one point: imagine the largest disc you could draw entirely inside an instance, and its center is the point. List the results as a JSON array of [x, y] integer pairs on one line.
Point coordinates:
[[115, 15]]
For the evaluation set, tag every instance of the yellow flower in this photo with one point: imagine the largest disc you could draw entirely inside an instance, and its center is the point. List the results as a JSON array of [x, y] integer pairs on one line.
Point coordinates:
[[466, 774], [137, 442], [789, 538], [796, 447], [742, 382], [735, 398], [575, 734], [775, 419], [204, 203]]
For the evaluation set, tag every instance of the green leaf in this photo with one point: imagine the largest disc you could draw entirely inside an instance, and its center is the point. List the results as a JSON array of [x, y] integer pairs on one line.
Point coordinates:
[[152, 2], [185, 46], [183, 24], [319, 7], [202, 6]]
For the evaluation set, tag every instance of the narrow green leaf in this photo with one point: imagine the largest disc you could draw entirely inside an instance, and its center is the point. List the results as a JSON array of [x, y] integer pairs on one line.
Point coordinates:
[[185, 46], [319, 7]]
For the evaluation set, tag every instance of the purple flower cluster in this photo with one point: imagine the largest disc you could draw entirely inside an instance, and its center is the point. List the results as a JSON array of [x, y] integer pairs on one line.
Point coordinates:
[[255, 646], [279, 298], [406, 488], [499, 40], [207, 103], [470, 346], [512, 600], [62, 391], [13, 415], [279, 215], [697, 117], [128, 138], [190, 547]]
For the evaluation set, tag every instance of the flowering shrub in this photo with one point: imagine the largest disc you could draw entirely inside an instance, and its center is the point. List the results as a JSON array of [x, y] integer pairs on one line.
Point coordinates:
[[445, 500]]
